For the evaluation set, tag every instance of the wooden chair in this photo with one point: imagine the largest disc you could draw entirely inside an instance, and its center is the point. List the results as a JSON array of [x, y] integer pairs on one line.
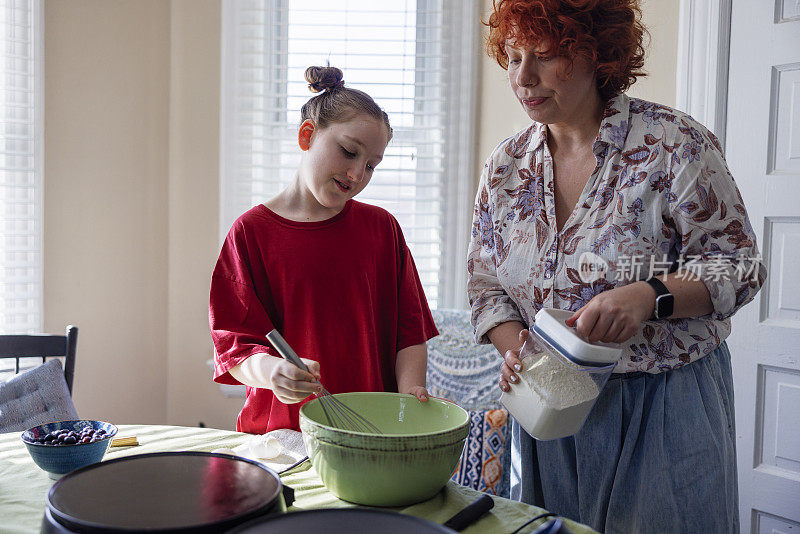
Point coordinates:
[[43, 346]]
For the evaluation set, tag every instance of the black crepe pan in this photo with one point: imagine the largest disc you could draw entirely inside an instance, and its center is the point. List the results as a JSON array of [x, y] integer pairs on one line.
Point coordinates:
[[355, 520], [342, 521], [164, 493]]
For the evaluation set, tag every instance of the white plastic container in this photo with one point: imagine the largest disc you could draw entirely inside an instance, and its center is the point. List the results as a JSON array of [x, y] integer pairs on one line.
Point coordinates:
[[561, 378]]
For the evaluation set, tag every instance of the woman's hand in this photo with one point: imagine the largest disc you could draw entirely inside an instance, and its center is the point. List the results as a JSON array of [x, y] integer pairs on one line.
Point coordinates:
[[419, 392], [290, 384], [511, 363], [614, 316]]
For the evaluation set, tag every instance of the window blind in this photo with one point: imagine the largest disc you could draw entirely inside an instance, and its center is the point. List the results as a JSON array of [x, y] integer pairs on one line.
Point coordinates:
[[414, 57], [21, 166]]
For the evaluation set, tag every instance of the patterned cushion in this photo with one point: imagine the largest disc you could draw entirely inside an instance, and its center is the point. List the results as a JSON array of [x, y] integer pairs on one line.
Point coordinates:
[[466, 373], [484, 466], [458, 368], [35, 397]]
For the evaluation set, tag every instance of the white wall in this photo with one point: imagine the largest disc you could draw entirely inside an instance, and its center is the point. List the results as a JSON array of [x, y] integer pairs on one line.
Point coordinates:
[[132, 193], [105, 216], [194, 214]]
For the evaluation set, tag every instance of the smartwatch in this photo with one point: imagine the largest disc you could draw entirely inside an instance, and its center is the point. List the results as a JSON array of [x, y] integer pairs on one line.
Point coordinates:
[[665, 301]]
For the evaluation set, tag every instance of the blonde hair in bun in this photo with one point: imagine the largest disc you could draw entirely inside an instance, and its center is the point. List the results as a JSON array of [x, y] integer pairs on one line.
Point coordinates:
[[335, 102]]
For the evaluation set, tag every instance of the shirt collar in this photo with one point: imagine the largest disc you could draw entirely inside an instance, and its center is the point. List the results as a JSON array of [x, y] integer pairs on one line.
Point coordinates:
[[614, 125], [538, 133]]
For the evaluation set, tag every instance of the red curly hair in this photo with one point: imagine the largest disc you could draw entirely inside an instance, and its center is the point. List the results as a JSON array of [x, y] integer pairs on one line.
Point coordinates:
[[609, 33]]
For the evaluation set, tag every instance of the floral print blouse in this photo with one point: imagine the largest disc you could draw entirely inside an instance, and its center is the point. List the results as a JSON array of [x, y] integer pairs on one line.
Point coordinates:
[[661, 197]]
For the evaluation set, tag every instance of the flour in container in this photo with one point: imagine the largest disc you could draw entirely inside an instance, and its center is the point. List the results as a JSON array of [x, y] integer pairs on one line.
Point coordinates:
[[561, 378], [552, 398], [558, 385]]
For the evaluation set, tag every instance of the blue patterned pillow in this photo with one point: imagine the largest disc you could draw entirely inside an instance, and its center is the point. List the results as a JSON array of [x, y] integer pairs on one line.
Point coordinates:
[[485, 464], [458, 368], [466, 373]]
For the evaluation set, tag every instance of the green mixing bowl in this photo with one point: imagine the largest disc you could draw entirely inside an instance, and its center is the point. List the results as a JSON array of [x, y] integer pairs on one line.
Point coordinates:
[[409, 462]]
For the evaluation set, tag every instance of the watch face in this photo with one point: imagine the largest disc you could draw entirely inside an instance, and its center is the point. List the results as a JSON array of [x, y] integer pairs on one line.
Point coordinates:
[[665, 305]]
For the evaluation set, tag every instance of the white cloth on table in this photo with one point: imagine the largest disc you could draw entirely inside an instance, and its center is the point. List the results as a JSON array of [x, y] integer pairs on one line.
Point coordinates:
[[278, 449]]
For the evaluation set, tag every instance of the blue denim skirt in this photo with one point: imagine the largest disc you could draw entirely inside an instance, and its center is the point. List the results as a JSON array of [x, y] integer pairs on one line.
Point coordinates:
[[656, 454]]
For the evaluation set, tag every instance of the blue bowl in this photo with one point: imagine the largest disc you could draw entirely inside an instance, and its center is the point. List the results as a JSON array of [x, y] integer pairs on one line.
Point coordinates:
[[61, 459]]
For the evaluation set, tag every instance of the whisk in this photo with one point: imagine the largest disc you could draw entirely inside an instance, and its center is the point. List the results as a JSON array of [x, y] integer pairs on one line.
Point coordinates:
[[338, 414]]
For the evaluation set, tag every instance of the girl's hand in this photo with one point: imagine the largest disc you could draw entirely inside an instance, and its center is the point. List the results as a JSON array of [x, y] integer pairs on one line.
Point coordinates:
[[419, 392], [511, 363], [290, 384], [615, 316]]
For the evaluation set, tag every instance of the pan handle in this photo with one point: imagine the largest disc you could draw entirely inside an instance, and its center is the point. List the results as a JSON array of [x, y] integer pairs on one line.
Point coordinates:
[[471, 513]]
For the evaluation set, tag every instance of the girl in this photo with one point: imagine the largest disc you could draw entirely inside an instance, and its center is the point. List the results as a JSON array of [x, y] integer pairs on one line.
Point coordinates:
[[333, 275]]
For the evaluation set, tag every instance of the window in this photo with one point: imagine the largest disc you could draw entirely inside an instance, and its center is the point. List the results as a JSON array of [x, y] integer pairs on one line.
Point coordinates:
[[21, 131], [414, 57]]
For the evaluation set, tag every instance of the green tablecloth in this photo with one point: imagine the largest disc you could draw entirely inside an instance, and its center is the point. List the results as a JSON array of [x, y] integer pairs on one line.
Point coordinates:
[[23, 486]]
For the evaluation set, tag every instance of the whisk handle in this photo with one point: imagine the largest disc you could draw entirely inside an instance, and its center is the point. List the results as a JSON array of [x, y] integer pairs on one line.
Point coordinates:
[[283, 348]]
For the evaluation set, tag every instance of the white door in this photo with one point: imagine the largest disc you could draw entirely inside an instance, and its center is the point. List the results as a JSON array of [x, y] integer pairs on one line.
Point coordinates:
[[763, 152]]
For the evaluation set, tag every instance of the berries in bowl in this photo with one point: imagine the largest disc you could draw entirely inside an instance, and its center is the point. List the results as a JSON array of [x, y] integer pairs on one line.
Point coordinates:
[[63, 446]]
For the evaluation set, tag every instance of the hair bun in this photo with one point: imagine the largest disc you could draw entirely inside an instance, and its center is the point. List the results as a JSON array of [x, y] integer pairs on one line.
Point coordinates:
[[323, 78]]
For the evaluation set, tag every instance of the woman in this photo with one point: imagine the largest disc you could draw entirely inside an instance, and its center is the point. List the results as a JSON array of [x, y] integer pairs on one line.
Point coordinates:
[[624, 212]]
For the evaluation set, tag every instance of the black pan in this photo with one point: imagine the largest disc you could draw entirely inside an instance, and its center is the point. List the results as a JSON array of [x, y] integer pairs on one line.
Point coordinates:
[[354, 520], [342, 521], [167, 492]]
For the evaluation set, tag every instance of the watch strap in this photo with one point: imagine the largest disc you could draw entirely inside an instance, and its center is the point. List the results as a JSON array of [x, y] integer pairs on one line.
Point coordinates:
[[659, 286], [660, 290]]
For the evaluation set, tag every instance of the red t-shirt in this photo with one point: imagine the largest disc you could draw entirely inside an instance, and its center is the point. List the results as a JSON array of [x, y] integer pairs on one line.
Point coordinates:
[[343, 291]]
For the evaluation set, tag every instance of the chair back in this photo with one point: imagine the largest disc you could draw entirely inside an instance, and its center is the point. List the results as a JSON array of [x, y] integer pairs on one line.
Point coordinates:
[[43, 346]]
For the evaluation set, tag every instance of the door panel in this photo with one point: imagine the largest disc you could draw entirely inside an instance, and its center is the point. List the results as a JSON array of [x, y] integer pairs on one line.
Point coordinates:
[[763, 152], [784, 133]]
